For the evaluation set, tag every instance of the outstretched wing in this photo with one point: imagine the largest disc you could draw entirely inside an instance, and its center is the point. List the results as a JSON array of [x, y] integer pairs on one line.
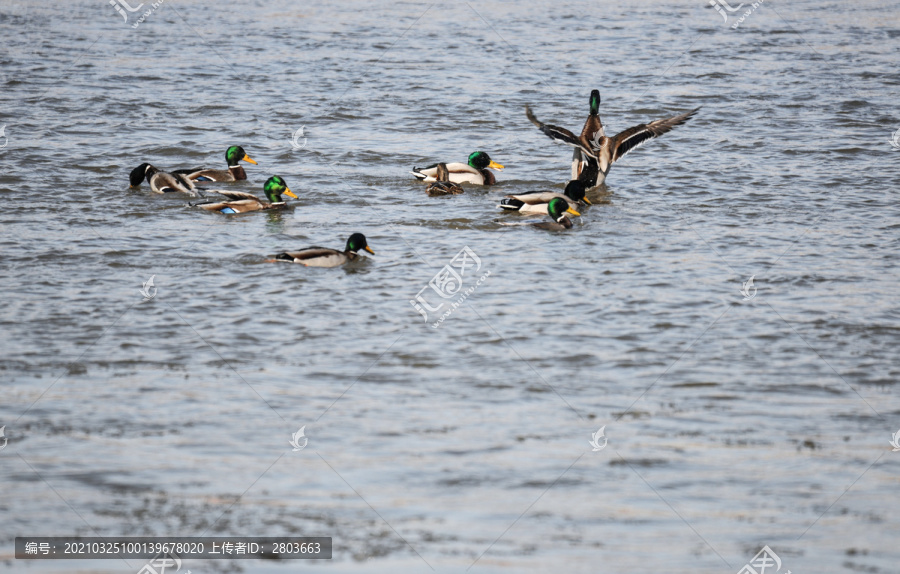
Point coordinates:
[[557, 133], [633, 137]]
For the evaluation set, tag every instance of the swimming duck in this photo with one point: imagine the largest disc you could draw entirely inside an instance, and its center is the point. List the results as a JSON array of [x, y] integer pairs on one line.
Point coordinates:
[[443, 185], [593, 144], [475, 171], [242, 202], [536, 201], [161, 181], [235, 171], [557, 210], [323, 257]]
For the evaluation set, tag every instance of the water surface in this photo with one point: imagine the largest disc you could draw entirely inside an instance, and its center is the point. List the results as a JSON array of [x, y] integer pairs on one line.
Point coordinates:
[[731, 423]]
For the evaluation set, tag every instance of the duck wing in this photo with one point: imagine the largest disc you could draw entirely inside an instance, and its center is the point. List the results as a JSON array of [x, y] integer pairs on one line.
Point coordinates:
[[557, 133], [633, 138], [549, 226], [163, 182], [316, 257], [235, 195], [188, 172], [519, 223], [211, 175], [439, 188], [536, 197], [242, 206]]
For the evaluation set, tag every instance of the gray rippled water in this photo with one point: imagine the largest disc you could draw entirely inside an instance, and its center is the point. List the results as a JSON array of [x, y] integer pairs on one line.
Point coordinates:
[[733, 422]]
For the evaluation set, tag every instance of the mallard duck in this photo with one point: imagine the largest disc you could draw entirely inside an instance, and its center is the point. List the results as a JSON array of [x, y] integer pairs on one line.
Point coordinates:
[[557, 210], [235, 172], [245, 202], [593, 144], [536, 201], [443, 185], [161, 181], [323, 257], [474, 172]]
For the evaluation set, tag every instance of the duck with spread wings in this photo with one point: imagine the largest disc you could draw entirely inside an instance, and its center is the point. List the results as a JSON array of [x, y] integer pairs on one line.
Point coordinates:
[[594, 151]]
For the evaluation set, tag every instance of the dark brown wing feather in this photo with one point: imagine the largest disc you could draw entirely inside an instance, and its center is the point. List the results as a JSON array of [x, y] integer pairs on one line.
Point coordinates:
[[236, 195], [557, 133], [634, 137]]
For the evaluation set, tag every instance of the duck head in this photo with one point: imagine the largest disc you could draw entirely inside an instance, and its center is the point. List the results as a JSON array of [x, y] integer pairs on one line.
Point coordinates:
[[480, 160], [137, 175], [275, 187], [575, 191], [356, 242], [236, 153], [595, 102], [558, 208]]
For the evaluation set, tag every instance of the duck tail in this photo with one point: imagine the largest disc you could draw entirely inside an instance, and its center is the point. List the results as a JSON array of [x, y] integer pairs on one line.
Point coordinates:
[[511, 204]]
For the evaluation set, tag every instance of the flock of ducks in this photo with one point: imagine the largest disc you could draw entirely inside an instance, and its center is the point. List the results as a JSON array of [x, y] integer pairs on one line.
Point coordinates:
[[592, 159]]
